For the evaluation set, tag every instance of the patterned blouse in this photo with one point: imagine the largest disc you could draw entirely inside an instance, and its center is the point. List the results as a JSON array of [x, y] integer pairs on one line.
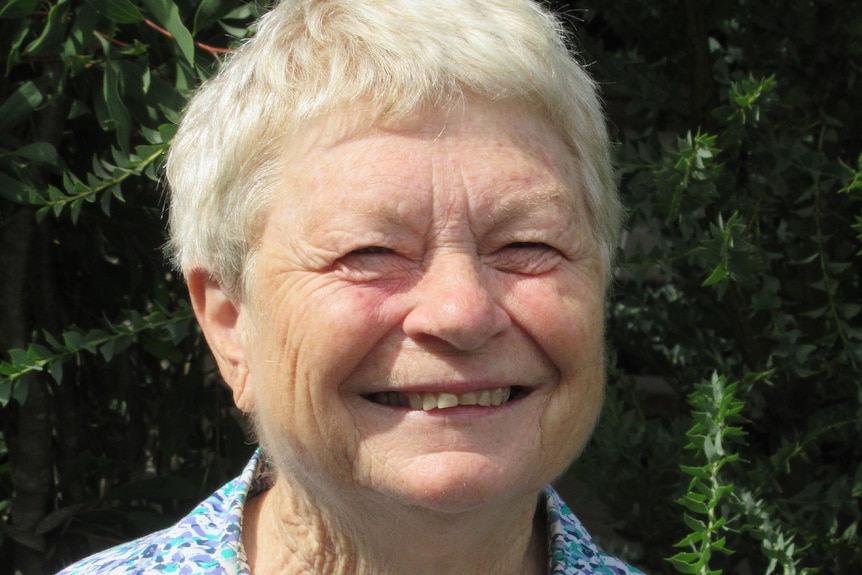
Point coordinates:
[[208, 539]]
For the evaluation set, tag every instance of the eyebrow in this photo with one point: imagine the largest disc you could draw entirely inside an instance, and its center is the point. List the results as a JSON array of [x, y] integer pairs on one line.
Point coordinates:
[[534, 201]]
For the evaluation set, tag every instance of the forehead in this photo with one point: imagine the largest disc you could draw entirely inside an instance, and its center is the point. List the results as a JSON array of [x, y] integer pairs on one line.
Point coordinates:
[[490, 145]]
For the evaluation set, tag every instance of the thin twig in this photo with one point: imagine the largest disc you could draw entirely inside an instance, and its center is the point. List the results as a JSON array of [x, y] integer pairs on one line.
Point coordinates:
[[213, 50], [113, 41], [206, 47]]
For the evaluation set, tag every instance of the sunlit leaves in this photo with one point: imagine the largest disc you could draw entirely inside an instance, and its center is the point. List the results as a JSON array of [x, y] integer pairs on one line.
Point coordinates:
[[686, 180], [743, 255], [716, 414], [855, 187], [92, 93], [167, 328], [133, 99], [749, 96], [167, 14], [103, 184], [730, 253]]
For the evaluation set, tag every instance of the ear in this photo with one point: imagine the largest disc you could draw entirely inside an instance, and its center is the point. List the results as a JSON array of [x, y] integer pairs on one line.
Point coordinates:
[[220, 318]]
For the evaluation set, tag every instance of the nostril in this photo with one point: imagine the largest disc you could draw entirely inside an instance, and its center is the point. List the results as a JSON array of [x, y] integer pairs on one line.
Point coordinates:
[[460, 311]]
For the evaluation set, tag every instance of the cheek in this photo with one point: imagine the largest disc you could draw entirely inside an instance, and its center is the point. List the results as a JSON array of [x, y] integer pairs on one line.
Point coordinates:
[[307, 345], [320, 328], [345, 327], [567, 323], [565, 319]]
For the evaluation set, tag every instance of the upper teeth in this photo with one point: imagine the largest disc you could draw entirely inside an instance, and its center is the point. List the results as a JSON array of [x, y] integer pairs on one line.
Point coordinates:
[[428, 401]]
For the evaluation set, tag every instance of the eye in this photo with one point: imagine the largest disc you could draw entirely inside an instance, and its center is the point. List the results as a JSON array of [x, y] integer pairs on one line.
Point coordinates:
[[371, 263], [525, 245], [526, 258], [370, 250]]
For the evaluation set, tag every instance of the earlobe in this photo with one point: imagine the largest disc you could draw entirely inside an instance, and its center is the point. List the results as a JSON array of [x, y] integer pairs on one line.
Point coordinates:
[[220, 318]]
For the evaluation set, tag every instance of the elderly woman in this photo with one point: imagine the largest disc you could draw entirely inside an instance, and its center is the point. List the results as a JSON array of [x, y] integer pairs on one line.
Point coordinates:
[[396, 219]]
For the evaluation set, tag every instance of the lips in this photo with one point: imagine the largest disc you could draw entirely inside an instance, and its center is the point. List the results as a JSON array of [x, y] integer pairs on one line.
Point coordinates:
[[427, 401]]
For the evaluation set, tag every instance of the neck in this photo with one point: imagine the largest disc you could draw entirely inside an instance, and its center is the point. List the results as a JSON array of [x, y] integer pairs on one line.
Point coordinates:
[[283, 534]]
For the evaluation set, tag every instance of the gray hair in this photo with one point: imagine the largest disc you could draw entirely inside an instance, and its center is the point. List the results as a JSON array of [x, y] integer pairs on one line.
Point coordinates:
[[383, 61]]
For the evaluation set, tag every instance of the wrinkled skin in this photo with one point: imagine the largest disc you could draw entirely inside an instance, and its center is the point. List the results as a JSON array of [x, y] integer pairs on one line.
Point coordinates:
[[452, 253]]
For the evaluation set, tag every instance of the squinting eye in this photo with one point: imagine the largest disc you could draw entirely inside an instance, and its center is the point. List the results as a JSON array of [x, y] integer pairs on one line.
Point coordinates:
[[536, 245], [370, 250], [371, 263], [527, 258]]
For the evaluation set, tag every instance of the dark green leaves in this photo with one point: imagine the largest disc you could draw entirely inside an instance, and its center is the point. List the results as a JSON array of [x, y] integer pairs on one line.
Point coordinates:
[[51, 37], [95, 327], [210, 11], [118, 117], [17, 8], [20, 104], [743, 256], [120, 11], [167, 14], [688, 176], [731, 253]]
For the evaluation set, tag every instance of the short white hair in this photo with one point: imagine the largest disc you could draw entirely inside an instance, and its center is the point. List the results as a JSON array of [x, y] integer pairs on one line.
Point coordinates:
[[380, 61]]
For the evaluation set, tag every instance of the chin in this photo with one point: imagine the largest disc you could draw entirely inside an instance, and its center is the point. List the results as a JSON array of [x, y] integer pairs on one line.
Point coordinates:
[[460, 482]]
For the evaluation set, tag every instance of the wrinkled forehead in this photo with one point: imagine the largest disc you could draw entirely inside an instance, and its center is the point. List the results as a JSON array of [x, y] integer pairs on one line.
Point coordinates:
[[513, 124]]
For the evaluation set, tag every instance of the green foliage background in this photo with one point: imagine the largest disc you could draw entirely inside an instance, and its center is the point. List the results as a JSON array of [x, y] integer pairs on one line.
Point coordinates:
[[738, 131]]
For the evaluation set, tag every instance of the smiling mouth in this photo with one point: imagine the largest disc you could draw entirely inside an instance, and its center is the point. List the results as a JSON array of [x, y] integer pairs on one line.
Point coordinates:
[[427, 401]]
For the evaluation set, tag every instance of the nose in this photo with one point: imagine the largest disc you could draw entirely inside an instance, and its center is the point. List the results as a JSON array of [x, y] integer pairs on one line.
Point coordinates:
[[454, 303]]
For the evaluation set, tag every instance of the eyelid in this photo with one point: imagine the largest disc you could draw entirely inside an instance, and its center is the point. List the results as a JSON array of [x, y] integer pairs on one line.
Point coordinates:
[[370, 250], [533, 245], [526, 258], [528, 244], [371, 263]]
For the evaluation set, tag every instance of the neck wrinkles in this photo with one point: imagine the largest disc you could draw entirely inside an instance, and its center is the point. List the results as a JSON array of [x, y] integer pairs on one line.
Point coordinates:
[[287, 532]]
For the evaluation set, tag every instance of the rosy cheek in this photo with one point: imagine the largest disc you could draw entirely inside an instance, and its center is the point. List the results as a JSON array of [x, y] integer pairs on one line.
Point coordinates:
[[364, 309], [375, 300], [360, 298], [556, 315]]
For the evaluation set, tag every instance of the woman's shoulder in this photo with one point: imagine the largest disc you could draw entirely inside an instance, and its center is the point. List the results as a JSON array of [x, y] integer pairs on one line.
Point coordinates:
[[176, 549], [572, 549], [207, 540]]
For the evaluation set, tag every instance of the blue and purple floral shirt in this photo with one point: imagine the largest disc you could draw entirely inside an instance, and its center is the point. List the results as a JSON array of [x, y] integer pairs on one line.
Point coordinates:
[[208, 539]]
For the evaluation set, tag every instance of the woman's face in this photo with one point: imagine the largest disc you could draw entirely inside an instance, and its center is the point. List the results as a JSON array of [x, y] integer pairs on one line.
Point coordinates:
[[426, 313]]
